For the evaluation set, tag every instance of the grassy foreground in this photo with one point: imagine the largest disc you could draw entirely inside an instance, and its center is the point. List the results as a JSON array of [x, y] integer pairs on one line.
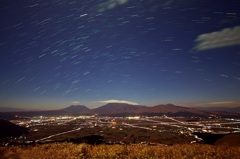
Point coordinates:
[[84, 151]]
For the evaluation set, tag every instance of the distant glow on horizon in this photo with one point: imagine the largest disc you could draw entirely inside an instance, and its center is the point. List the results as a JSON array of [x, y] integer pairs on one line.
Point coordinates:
[[220, 103]]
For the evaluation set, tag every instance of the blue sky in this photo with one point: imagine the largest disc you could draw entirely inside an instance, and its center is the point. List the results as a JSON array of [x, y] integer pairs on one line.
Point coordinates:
[[58, 53]]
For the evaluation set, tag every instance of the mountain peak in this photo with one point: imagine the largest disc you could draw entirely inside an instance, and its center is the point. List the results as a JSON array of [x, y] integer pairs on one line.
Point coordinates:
[[117, 108], [76, 109]]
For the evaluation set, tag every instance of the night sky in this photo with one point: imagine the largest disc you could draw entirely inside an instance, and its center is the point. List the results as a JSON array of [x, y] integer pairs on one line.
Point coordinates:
[[55, 53]]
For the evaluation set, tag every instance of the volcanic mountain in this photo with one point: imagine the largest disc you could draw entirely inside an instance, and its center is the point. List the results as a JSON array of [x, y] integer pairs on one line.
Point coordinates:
[[76, 110], [121, 109], [127, 109]]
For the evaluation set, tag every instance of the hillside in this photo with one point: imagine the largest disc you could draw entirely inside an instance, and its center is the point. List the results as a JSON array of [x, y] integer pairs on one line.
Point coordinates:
[[233, 139], [82, 151], [9, 129]]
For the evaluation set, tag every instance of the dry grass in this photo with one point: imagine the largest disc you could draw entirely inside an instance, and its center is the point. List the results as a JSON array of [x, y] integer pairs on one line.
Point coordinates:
[[83, 151]]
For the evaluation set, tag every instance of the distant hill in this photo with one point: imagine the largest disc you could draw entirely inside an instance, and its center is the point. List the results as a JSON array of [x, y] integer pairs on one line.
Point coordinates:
[[120, 109], [178, 110], [127, 109], [8, 129]]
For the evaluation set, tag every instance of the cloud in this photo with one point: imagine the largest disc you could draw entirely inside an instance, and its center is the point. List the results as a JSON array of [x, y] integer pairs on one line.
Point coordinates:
[[117, 101], [224, 38], [110, 4], [75, 102]]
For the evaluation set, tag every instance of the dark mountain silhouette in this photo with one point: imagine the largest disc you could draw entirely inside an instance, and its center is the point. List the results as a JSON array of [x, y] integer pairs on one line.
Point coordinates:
[[76, 109], [120, 109], [127, 109], [9, 129], [170, 108]]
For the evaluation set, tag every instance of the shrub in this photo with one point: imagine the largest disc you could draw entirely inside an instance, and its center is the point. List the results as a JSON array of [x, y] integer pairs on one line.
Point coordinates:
[[84, 151]]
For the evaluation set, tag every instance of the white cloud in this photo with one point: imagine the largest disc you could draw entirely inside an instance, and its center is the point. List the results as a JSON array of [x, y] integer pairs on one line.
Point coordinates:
[[110, 4], [224, 38], [117, 101], [75, 102]]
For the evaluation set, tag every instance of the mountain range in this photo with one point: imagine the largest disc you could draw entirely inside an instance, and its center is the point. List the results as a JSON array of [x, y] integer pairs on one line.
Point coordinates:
[[122, 109], [126, 109]]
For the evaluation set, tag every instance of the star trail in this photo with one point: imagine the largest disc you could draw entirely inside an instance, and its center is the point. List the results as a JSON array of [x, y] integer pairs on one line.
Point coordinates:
[[61, 52]]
